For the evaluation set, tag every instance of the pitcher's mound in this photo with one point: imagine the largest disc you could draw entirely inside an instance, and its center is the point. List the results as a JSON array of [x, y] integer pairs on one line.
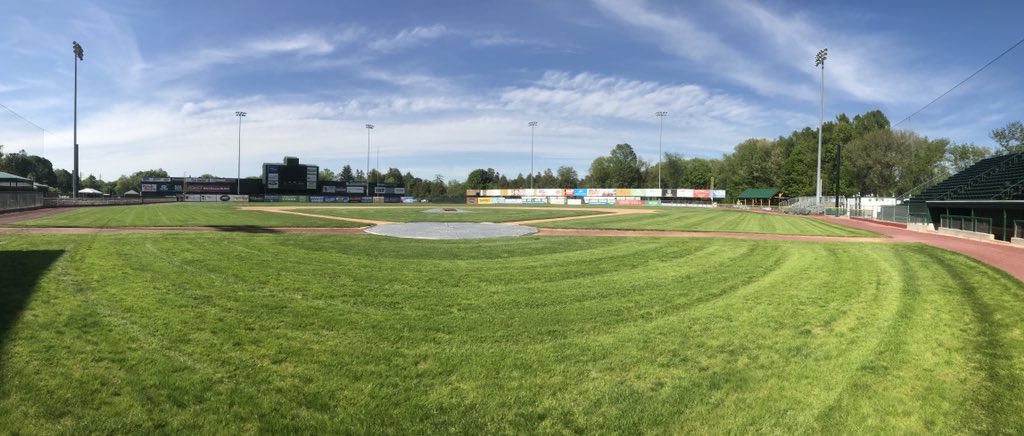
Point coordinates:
[[450, 230]]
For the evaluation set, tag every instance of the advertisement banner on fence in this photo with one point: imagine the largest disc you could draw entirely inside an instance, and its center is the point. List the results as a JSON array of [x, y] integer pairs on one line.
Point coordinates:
[[718, 193], [556, 200], [701, 193], [633, 192], [208, 197], [271, 198], [316, 198], [483, 200], [684, 193], [192, 197], [575, 201], [579, 192], [235, 198], [652, 202], [513, 201], [652, 193], [628, 202], [408, 199], [533, 200], [356, 189], [471, 200], [600, 200]]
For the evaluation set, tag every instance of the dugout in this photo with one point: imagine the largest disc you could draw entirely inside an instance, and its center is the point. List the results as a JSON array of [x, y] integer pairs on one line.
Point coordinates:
[[760, 197], [985, 200]]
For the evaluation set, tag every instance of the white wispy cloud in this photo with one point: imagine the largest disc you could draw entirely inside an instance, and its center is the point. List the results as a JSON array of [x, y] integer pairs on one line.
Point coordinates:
[[772, 52], [586, 95], [301, 44], [409, 38]]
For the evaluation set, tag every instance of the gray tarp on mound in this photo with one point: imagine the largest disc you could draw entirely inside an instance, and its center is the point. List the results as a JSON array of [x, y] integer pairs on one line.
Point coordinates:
[[450, 230]]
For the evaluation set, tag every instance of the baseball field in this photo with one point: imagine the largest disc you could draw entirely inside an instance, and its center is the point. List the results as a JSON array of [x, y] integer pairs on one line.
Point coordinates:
[[218, 331]]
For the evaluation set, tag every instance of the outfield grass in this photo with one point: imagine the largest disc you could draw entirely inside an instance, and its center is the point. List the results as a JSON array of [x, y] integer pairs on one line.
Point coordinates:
[[472, 214], [200, 332], [713, 220], [177, 215]]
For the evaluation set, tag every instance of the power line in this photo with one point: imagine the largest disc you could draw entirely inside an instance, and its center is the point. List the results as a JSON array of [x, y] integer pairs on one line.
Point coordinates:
[[962, 82]]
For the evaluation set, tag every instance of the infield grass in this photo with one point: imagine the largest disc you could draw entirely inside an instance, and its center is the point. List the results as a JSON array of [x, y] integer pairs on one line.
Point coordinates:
[[219, 332], [712, 220], [177, 215], [469, 214]]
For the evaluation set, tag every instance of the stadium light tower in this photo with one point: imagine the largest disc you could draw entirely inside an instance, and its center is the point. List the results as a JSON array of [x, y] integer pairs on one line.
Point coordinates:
[[369, 127], [79, 56], [533, 125], [819, 61], [661, 129], [238, 179]]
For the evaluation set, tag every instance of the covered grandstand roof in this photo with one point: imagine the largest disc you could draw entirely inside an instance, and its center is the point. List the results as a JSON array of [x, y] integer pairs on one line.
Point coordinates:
[[758, 193], [11, 182], [9, 176]]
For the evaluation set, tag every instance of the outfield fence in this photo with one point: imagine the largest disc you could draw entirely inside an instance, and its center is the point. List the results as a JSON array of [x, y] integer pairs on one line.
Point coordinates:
[[19, 200]]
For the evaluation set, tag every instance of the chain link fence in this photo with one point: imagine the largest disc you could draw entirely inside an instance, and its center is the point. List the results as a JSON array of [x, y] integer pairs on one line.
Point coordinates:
[[896, 214]]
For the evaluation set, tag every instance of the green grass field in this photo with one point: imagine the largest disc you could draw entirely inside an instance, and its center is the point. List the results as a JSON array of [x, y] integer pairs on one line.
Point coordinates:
[[473, 214], [713, 220], [177, 215], [220, 332]]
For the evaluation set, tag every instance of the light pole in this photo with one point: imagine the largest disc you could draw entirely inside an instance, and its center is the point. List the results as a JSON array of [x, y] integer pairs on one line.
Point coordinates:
[[184, 185], [369, 127], [838, 162], [533, 125], [240, 115], [79, 56], [661, 129], [819, 61]]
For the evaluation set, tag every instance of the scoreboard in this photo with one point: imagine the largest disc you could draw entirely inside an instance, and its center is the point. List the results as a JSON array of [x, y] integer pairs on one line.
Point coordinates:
[[290, 177]]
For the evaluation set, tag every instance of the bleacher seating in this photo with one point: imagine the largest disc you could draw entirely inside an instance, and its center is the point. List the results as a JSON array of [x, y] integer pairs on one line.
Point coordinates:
[[995, 178]]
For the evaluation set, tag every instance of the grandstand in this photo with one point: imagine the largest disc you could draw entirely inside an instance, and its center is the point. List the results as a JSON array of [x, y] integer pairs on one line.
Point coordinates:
[[987, 197]]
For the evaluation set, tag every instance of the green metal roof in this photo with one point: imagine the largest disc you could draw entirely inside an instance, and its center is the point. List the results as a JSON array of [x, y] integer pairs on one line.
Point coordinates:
[[9, 176], [758, 193]]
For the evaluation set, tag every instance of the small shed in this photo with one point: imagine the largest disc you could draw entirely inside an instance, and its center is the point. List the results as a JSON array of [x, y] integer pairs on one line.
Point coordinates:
[[760, 197]]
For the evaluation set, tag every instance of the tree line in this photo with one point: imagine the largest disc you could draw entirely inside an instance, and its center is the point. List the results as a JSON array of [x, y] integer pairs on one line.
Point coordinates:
[[873, 159]]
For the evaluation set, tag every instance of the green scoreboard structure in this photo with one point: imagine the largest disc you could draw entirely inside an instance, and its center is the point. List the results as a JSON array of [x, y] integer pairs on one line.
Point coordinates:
[[290, 177]]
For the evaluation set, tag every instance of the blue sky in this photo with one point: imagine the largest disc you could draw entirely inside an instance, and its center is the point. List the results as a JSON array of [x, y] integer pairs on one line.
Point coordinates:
[[451, 85]]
